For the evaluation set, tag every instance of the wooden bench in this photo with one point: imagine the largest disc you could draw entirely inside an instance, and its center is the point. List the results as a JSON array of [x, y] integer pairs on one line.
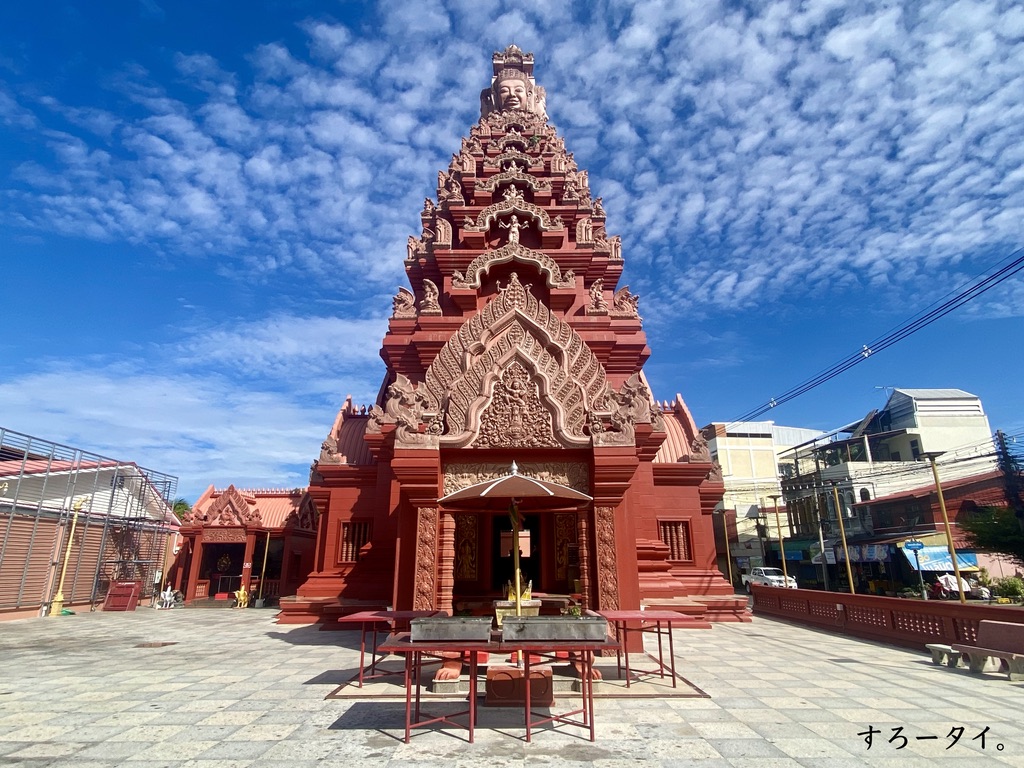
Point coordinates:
[[1001, 640]]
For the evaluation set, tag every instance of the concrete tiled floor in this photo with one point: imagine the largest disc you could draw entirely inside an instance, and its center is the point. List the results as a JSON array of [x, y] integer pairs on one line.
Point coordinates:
[[236, 689]]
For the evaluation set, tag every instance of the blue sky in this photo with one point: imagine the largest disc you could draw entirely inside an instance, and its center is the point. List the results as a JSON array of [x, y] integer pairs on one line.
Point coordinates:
[[204, 206]]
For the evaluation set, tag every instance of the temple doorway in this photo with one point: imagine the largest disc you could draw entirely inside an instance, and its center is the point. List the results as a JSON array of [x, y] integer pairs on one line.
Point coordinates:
[[222, 566]]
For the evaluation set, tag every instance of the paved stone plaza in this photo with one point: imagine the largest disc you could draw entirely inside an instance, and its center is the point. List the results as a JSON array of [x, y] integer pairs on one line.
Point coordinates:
[[227, 689]]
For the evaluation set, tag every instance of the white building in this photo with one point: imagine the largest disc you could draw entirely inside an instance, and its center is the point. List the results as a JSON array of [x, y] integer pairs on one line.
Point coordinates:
[[882, 454], [751, 454]]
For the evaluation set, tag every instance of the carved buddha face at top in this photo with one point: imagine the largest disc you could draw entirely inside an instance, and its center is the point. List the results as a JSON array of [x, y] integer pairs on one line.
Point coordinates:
[[512, 94]]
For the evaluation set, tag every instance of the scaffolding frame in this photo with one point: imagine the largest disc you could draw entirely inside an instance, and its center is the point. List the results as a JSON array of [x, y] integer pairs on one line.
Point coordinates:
[[111, 519]]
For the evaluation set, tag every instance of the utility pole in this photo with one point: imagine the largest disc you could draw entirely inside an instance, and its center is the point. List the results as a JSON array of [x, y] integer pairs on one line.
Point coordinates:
[[842, 533], [945, 521], [782, 547]]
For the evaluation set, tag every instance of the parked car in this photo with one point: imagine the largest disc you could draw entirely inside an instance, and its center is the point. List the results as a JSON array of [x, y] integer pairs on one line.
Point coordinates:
[[771, 577]]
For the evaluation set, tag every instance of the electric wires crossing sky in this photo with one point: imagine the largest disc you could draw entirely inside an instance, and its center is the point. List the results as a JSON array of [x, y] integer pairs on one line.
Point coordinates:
[[967, 292]]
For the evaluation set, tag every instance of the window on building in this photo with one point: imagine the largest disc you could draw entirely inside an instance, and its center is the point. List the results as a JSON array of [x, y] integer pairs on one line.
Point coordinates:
[[676, 534], [354, 536], [865, 495], [915, 449]]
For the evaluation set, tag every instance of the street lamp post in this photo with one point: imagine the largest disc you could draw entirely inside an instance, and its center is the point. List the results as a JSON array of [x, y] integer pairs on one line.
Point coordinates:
[[782, 547], [931, 456]]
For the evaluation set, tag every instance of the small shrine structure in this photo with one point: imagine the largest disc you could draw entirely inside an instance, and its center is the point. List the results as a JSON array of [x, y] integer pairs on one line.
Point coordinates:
[[514, 341], [259, 540]]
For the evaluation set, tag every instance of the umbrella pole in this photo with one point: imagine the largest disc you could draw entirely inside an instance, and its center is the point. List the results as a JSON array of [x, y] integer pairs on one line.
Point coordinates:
[[515, 557]]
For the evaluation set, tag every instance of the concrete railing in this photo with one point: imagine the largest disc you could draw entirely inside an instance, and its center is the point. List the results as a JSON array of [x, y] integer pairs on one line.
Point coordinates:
[[893, 620]]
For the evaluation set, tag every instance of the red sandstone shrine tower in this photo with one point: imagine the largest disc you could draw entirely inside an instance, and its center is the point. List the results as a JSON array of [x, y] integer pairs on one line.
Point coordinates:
[[514, 342]]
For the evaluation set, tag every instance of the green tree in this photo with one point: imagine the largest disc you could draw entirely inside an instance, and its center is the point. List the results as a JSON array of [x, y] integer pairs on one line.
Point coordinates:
[[994, 529], [180, 507]]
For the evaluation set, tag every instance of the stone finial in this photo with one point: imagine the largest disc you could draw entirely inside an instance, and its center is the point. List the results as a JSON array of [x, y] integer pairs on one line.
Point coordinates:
[[625, 304], [404, 303]]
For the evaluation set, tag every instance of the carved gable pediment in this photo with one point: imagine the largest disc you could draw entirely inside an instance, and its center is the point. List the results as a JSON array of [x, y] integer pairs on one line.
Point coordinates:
[[232, 508], [515, 329]]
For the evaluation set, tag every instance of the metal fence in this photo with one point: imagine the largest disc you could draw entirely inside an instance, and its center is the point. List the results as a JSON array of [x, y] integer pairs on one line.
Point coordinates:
[[73, 522]]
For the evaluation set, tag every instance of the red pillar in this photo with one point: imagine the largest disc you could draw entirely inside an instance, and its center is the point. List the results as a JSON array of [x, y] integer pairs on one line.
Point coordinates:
[[197, 558], [250, 547]]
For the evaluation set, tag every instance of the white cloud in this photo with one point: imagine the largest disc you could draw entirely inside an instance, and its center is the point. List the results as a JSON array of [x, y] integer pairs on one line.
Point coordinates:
[[773, 152]]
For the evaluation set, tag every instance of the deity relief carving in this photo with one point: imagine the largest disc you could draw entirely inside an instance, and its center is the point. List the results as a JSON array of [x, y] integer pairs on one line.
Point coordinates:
[[449, 190], [431, 299], [426, 559], [416, 247], [513, 226], [573, 474], [403, 304], [598, 305], [515, 417], [466, 533], [565, 536], [584, 231], [555, 354], [607, 569], [576, 187], [443, 233]]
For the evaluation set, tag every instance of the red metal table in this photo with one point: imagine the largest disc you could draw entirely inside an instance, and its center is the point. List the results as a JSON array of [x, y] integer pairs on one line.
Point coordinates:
[[376, 622], [652, 622], [400, 643], [584, 651]]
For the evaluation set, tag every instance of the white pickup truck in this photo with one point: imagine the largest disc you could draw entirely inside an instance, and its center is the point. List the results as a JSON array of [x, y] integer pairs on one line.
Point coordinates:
[[770, 577]]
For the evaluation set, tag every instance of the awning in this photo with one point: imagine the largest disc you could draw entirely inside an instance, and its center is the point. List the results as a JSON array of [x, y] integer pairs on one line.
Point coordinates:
[[937, 559]]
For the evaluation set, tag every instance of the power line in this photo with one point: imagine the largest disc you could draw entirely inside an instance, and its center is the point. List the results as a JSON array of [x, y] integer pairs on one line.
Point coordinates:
[[914, 324]]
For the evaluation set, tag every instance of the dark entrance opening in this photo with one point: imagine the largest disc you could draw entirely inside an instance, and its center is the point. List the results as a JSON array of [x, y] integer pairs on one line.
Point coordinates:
[[222, 565], [529, 549]]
